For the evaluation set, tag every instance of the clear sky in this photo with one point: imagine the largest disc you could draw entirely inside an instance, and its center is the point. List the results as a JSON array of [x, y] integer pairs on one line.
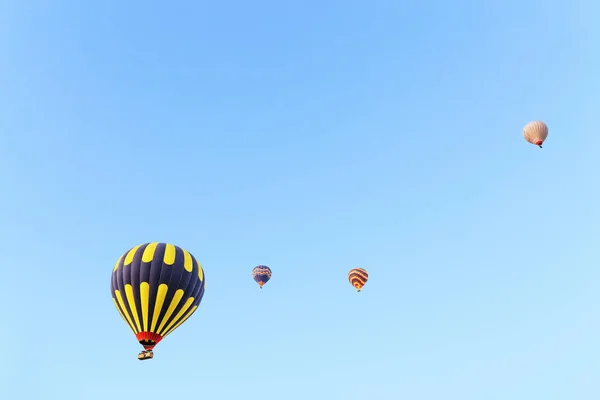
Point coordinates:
[[313, 137]]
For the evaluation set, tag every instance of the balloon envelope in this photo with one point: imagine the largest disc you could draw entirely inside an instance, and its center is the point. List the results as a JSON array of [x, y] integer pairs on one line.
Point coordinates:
[[358, 277], [536, 132], [156, 287], [261, 274]]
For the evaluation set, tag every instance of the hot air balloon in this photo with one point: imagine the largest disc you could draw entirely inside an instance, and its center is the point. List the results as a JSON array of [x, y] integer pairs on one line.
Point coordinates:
[[535, 132], [156, 287], [358, 277], [261, 274]]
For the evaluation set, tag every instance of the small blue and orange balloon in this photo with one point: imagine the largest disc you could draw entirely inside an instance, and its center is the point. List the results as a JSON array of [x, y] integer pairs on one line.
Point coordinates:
[[261, 274]]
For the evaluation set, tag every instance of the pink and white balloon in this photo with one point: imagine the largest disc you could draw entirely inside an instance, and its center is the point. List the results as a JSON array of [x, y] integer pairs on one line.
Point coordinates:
[[536, 132]]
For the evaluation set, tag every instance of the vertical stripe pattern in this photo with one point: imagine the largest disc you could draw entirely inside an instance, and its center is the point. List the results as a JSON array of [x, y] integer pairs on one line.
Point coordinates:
[[358, 277], [156, 287]]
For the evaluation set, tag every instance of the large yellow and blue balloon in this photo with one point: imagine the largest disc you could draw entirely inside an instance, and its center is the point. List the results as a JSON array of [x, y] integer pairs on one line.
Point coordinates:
[[156, 287]]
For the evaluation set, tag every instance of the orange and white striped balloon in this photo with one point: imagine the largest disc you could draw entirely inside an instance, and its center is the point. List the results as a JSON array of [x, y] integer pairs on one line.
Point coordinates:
[[358, 277], [536, 132]]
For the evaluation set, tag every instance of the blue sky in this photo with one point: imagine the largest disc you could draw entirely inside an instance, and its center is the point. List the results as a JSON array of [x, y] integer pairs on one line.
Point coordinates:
[[313, 137]]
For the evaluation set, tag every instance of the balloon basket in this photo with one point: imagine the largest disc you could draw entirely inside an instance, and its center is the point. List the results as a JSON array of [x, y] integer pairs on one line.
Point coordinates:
[[145, 355]]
